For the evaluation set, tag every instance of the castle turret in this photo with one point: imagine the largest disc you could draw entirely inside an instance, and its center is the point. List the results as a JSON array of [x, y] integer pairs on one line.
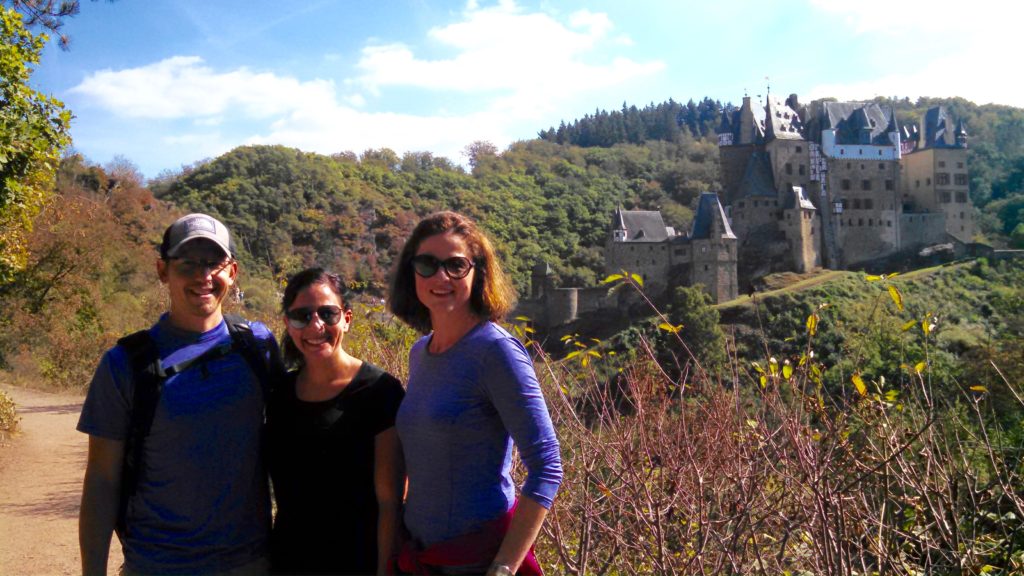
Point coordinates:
[[961, 134], [714, 250]]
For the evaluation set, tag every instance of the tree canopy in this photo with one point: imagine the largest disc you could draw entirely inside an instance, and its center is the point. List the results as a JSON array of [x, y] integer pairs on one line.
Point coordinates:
[[33, 131]]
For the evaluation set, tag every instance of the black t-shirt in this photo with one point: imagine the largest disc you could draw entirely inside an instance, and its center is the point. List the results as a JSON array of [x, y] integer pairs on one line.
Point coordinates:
[[321, 457]]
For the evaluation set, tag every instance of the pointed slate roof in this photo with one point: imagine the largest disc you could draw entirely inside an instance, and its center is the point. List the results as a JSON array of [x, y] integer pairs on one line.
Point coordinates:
[[939, 130], [781, 122], [710, 213], [641, 225], [757, 178], [854, 122]]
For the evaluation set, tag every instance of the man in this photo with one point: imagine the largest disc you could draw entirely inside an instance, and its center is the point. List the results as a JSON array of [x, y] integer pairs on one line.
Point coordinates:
[[200, 502]]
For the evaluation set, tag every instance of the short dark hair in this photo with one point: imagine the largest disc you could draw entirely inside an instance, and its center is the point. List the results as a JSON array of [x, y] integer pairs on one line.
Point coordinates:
[[492, 296], [297, 283]]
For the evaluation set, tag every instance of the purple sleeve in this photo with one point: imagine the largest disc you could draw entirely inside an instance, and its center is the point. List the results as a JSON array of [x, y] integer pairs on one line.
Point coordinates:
[[511, 382], [106, 411]]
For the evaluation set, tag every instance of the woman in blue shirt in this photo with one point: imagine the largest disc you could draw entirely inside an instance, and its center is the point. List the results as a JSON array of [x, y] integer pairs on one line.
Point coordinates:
[[472, 393]]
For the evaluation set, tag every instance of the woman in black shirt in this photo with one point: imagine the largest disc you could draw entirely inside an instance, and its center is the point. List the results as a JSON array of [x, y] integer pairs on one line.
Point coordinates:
[[335, 460]]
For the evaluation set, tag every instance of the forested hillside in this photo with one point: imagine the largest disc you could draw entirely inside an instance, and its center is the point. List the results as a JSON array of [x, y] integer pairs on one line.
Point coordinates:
[[540, 200]]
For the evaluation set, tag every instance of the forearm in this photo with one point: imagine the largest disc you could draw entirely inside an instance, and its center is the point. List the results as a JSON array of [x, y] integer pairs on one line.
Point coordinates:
[[388, 522], [526, 524], [96, 523]]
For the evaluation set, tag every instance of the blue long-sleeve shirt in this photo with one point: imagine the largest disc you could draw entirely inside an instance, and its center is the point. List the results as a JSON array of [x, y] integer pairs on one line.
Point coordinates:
[[463, 410]]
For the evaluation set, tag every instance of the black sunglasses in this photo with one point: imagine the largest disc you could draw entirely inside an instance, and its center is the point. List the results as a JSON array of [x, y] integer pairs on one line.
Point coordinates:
[[189, 266], [299, 318], [457, 266]]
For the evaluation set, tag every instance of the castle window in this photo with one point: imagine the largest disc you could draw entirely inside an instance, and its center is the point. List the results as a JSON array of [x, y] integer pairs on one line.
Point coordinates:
[[799, 149], [870, 222], [927, 181], [942, 178], [860, 221], [945, 197], [856, 203], [801, 169], [865, 184], [881, 166], [888, 184], [942, 164], [960, 179], [705, 267], [959, 164], [789, 168], [741, 204], [861, 166], [868, 204], [888, 223], [961, 197], [844, 184]]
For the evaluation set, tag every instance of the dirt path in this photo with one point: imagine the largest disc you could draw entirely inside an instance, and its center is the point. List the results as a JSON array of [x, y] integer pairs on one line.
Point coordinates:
[[41, 471]]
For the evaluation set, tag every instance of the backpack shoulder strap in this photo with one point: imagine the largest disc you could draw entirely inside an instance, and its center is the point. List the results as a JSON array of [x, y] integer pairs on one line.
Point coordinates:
[[265, 361], [147, 381]]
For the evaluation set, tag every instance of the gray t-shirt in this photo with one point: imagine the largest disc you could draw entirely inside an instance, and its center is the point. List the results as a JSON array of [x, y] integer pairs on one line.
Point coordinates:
[[202, 503]]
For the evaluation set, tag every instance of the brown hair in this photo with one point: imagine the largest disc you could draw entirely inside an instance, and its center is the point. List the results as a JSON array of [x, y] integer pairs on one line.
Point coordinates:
[[297, 283], [492, 296]]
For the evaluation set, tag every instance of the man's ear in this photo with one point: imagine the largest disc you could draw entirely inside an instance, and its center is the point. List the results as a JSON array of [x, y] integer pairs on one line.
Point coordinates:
[[162, 270]]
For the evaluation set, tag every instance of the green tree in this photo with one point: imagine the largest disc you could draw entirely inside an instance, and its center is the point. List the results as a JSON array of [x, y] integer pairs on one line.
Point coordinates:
[[690, 307], [33, 131]]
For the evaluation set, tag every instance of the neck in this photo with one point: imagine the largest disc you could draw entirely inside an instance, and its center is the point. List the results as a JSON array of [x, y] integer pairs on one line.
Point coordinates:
[[332, 373], [198, 324], [450, 329]]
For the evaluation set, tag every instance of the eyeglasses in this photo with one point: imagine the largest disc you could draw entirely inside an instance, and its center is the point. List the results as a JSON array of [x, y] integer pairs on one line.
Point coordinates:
[[299, 318], [457, 266], [189, 266]]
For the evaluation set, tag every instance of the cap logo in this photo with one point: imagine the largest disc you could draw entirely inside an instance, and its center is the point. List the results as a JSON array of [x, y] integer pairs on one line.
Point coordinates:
[[200, 223]]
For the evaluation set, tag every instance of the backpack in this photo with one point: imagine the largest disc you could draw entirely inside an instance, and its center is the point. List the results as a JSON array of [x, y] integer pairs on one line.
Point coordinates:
[[149, 377]]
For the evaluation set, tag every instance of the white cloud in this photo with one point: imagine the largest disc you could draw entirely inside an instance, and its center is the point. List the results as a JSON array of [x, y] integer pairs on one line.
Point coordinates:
[[503, 48], [934, 48], [514, 68], [183, 87]]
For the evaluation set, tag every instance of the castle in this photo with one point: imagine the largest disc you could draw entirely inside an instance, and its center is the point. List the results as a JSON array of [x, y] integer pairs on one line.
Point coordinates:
[[839, 184], [836, 185]]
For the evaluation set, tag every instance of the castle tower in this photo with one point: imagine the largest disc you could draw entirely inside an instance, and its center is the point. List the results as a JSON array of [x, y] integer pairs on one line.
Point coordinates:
[[802, 229], [713, 249], [935, 179]]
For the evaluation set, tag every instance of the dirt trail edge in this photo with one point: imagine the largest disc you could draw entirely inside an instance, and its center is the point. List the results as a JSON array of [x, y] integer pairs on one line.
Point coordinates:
[[41, 471]]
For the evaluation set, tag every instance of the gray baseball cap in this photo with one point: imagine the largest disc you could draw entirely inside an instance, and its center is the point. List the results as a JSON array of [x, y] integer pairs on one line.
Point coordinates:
[[194, 227]]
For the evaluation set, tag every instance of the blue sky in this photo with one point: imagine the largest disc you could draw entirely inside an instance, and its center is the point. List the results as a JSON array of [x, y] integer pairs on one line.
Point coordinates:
[[166, 83]]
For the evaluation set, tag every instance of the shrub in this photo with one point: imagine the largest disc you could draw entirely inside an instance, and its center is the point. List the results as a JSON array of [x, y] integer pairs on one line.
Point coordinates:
[[8, 414]]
